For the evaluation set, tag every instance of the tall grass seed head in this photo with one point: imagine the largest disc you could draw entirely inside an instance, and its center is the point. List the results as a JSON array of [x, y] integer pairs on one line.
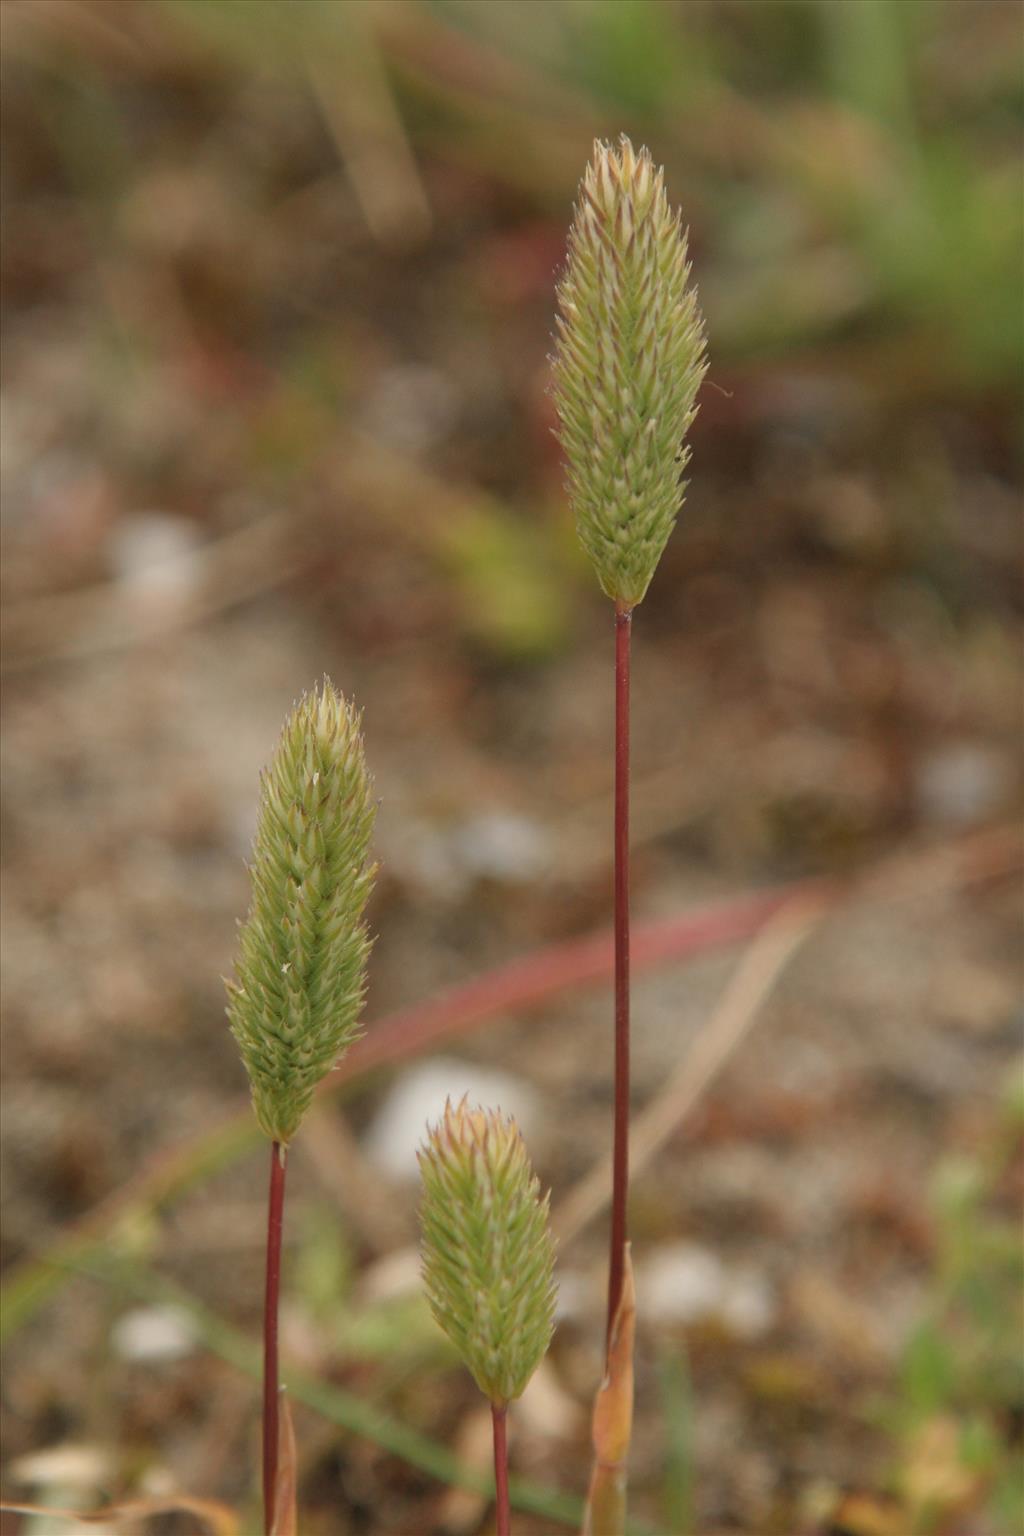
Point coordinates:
[[299, 982], [488, 1253], [629, 360]]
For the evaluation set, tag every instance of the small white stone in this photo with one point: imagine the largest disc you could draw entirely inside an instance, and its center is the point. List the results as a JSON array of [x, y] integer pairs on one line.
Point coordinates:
[[685, 1283], [546, 1407], [501, 845], [573, 1295], [748, 1306], [419, 855], [64, 1466], [153, 1334], [391, 1278], [418, 1098], [157, 556], [412, 406], [962, 783], [682, 1283]]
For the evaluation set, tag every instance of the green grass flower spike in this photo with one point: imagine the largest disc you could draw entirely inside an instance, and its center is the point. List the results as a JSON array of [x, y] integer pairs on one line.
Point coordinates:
[[629, 361], [299, 983], [488, 1254]]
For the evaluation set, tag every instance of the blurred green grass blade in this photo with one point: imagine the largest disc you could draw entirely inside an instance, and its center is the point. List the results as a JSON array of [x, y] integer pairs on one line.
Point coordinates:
[[928, 1372], [261, 32], [677, 1413], [344, 1408], [357, 1416], [126, 1213], [867, 49], [511, 591], [636, 56]]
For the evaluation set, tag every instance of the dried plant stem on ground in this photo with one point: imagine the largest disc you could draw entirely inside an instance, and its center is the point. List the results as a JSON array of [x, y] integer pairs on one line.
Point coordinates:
[[216, 1517], [748, 989], [95, 621]]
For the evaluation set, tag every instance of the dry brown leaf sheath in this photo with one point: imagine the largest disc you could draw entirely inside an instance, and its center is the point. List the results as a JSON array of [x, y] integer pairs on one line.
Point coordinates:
[[613, 1421]]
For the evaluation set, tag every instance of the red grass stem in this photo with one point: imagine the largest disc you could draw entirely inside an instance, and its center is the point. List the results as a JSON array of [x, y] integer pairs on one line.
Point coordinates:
[[499, 1418], [620, 1142], [275, 1214]]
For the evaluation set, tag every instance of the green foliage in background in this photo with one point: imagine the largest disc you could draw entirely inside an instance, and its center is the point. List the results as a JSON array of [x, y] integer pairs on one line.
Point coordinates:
[[852, 170], [962, 1373], [394, 1333]]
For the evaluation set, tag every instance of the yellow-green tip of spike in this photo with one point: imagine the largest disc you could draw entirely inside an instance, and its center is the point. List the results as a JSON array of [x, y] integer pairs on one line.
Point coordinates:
[[488, 1253], [629, 360], [299, 984]]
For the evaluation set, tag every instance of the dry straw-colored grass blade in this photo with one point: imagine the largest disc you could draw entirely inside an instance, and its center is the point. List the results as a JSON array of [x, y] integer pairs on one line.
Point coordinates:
[[216, 1517], [613, 1421], [286, 1513]]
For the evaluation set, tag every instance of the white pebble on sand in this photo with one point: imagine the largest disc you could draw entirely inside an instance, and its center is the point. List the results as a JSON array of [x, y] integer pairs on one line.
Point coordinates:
[[685, 1283], [418, 1097]]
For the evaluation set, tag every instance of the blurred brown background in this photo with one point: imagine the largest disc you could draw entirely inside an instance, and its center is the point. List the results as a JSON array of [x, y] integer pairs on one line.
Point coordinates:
[[278, 297]]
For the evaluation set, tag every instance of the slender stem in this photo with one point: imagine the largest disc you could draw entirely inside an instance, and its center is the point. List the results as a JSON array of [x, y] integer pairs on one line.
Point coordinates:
[[275, 1211], [499, 1418], [620, 1144]]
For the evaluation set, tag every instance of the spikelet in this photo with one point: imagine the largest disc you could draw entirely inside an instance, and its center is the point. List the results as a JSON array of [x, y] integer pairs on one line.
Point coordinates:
[[628, 364], [488, 1254], [299, 983]]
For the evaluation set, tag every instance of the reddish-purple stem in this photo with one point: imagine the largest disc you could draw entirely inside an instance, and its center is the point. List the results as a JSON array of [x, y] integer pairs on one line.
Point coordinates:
[[620, 1144], [275, 1213], [499, 1418]]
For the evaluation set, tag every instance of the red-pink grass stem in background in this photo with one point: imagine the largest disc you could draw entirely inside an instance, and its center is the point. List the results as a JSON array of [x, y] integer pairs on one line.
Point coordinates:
[[618, 1233], [535, 978], [523, 983], [920, 873], [271, 1432]]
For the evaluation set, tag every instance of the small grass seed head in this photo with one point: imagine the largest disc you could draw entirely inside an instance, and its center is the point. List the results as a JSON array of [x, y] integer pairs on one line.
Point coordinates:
[[629, 360], [488, 1253], [299, 985]]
